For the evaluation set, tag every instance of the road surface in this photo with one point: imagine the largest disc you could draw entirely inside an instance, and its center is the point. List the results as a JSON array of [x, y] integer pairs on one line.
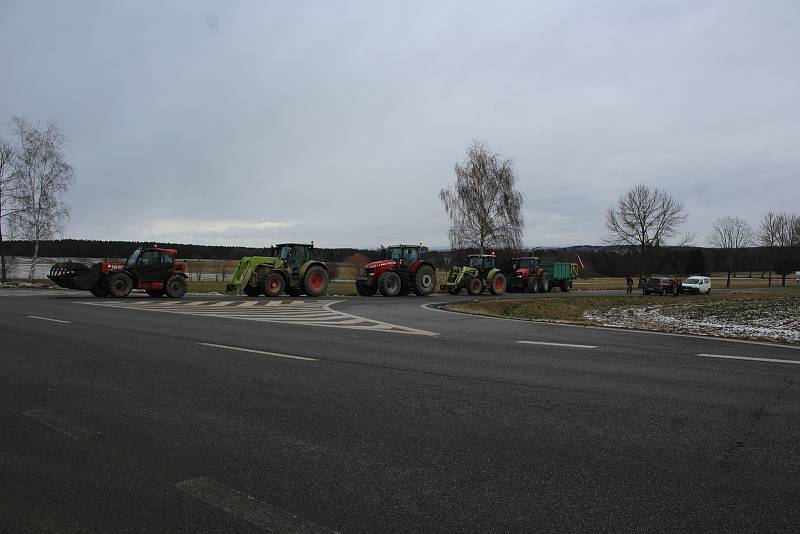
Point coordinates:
[[220, 414]]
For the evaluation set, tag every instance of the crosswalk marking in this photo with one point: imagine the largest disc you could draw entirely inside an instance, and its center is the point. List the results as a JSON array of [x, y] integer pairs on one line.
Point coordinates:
[[296, 312]]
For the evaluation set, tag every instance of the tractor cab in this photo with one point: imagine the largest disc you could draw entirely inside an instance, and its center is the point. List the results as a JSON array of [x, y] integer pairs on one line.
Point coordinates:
[[408, 254], [481, 262], [294, 255]]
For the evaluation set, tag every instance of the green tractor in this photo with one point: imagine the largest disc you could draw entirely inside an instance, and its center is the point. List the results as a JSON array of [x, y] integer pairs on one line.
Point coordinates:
[[477, 274], [290, 270]]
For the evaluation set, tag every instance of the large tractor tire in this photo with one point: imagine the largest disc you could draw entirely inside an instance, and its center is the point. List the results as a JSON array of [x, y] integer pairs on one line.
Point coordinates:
[[273, 284], [98, 291], [175, 287], [156, 293], [366, 290], [498, 284], [389, 284], [315, 281], [119, 285], [475, 286], [425, 280]]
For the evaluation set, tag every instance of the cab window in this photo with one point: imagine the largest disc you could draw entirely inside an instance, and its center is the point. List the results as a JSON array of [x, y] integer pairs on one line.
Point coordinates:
[[410, 255], [166, 259], [149, 257]]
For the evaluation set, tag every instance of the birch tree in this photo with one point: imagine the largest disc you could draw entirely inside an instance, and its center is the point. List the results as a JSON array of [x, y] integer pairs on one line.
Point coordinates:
[[484, 207], [42, 177], [7, 198]]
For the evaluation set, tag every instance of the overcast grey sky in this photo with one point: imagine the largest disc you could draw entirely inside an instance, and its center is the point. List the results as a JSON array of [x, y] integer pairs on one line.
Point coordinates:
[[257, 122]]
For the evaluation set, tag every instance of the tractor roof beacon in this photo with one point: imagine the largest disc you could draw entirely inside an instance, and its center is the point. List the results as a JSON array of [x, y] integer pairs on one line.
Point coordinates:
[[290, 269], [401, 272], [478, 273], [153, 269]]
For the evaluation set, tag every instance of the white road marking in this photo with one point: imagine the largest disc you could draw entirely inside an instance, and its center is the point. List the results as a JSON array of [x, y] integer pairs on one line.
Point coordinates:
[[748, 358], [266, 353], [571, 345], [58, 423], [243, 506], [47, 319], [311, 312]]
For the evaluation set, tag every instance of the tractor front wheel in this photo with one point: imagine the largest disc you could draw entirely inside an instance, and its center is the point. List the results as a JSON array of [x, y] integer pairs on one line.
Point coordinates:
[[119, 285], [425, 280], [389, 284], [475, 287], [272, 285], [544, 284], [498, 284], [175, 286], [315, 281]]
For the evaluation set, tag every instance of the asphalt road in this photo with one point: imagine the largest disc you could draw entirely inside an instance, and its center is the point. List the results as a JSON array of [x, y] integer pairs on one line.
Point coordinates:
[[217, 414]]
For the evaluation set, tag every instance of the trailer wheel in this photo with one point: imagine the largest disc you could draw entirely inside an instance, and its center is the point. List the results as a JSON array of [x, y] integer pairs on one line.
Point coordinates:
[[498, 284], [175, 286], [98, 291], [565, 286], [389, 284], [425, 280], [315, 281], [156, 293], [119, 285], [475, 286], [272, 285]]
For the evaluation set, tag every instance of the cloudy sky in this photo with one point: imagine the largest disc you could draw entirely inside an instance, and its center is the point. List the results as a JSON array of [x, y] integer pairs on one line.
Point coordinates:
[[256, 122]]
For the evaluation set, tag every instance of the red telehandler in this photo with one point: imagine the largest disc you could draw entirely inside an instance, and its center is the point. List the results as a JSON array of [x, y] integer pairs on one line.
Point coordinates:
[[153, 269]]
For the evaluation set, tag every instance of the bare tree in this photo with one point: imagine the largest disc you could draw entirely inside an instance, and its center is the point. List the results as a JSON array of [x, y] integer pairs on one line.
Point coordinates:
[[484, 207], [8, 190], [645, 218], [731, 235], [43, 176], [787, 241], [768, 236]]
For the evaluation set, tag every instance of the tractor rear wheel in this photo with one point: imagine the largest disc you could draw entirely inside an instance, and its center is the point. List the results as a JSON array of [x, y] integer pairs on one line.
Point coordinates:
[[156, 293], [475, 286], [498, 284], [544, 284], [272, 285], [389, 284], [175, 286], [119, 285], [315, 281], [425, 280], [98, 291]]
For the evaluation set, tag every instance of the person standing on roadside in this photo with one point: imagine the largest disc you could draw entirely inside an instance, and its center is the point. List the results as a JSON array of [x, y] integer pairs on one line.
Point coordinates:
[[675, 287], [629, 283]]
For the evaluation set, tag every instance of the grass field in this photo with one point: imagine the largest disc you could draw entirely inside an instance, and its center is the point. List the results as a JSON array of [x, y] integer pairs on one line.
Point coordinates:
[[771, 316]]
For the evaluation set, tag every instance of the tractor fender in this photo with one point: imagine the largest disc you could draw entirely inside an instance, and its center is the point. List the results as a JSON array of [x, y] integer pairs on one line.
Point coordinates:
[[419, 263], [307, 265], [490, 275]]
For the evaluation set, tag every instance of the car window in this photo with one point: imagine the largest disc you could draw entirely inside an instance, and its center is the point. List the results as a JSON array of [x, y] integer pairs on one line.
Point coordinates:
[[692, 281]]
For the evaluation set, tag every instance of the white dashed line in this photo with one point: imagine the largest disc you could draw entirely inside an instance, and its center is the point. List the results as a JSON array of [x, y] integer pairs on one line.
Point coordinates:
[[254, 351], [748, 358], [47, 319], [570, 345], [243, 506]]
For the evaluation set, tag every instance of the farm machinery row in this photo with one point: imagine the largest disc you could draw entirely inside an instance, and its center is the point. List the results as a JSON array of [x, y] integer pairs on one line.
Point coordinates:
[[292, 270]]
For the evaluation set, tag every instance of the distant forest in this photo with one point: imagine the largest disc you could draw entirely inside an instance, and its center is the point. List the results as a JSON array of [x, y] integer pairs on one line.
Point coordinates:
[[598, 260]]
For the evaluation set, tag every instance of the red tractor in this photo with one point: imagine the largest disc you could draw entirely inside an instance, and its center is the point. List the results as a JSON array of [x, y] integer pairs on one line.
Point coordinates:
[[401, 272], [153, 269]]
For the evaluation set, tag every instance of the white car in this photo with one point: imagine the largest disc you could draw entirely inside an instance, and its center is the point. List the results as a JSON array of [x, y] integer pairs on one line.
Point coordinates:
[[698, 285]]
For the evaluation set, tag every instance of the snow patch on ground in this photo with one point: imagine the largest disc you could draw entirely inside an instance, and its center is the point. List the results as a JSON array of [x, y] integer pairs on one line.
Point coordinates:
[[773, 319]]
